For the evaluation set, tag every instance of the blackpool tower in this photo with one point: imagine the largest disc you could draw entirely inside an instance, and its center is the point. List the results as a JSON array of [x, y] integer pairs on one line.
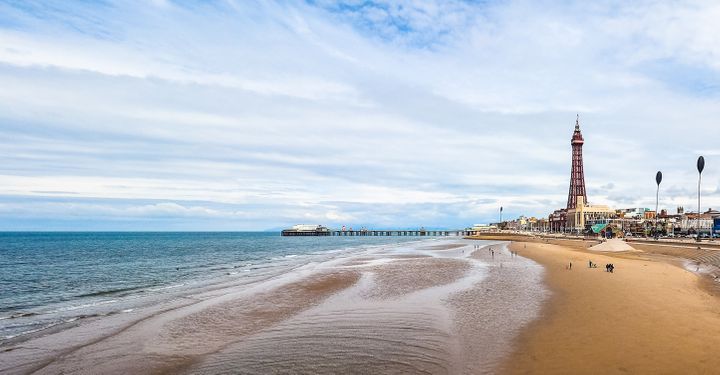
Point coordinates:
[[577, 177]]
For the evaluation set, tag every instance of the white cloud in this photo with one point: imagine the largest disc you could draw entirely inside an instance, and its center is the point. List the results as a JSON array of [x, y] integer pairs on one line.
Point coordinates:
[[377, 114]]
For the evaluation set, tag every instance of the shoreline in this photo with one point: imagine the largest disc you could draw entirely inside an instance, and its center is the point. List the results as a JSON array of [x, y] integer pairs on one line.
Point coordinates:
[[649, 316], [456, 304], [37, 320]]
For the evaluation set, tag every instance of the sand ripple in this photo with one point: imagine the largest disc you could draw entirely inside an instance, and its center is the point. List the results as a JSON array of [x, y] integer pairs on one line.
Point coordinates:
[[368, 338]]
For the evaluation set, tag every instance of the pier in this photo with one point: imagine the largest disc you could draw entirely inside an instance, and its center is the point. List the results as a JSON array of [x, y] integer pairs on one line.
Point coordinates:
[[319, 230], [401, 233]]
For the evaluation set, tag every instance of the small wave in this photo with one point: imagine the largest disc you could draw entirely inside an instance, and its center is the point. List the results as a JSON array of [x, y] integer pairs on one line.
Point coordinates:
[[108, 292], [166, 287], [219, 268], [18, 315], [50, 325], [19, 325], [84, 306]]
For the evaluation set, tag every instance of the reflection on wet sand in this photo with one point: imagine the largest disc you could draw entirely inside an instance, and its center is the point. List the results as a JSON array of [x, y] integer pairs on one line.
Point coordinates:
[[174, 340], [490, 315], [356, 338], [429, 309], [428, 315], [409, 275]]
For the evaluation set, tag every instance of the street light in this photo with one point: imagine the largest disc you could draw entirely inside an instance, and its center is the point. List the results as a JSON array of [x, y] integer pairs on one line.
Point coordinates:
[[658, 180], [700, 167]]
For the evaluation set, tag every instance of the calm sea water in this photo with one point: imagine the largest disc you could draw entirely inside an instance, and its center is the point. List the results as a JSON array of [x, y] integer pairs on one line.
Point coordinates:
[[48, 279]]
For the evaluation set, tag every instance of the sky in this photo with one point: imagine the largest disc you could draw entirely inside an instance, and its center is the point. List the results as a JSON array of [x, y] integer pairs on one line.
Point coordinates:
[[257, 115]]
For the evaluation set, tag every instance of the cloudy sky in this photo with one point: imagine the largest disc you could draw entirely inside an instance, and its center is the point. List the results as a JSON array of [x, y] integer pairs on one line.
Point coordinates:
[[245, 115]]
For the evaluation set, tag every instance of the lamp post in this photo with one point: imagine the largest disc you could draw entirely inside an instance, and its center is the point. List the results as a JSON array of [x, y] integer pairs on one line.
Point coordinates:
[[501, 214], [700, 167], [658, 180]]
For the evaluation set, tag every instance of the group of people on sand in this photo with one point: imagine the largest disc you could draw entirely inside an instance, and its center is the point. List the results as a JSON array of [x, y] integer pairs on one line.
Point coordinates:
[[608, 267], [491, 251]]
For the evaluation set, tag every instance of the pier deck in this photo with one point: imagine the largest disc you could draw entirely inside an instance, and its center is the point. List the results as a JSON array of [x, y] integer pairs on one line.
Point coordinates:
[[400, 233]]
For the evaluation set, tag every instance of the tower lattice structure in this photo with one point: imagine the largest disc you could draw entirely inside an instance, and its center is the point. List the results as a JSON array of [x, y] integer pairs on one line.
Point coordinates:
[[577, 176]]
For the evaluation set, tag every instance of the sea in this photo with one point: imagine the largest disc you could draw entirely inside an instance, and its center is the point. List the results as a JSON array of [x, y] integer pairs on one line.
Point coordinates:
[[49, 280]]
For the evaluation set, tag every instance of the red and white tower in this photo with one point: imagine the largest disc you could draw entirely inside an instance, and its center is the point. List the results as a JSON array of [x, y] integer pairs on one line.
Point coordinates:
[[577, 177]]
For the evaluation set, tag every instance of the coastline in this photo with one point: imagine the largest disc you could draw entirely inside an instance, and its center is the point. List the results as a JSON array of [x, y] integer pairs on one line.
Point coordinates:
[[649, 316], [438, 306]]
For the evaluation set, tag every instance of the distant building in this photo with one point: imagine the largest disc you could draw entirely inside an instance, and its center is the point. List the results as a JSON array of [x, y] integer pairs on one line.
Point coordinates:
[[632, 213], [583, 216], [557, 221], [692, 223], [484, 227]]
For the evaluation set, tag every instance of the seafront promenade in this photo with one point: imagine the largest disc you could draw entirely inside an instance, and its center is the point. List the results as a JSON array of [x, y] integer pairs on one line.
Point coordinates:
[[590, 241]]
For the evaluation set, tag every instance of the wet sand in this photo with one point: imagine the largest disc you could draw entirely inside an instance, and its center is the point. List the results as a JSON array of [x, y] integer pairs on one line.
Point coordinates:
[[439, 308], [649, 316]]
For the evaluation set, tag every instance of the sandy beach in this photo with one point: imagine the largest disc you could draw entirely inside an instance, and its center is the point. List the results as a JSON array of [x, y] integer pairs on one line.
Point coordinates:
[[648, 316]]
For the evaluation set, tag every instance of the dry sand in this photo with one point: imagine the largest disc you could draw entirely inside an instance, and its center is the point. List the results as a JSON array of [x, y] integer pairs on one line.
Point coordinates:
[[646, 317], [614, 245]]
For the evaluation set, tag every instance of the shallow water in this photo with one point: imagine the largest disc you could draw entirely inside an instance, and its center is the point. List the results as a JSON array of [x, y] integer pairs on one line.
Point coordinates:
[[47, 279]]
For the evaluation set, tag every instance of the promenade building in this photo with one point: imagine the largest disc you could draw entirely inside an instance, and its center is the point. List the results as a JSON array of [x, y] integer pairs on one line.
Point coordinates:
[[582, 216], [558, 220], [692, 222]]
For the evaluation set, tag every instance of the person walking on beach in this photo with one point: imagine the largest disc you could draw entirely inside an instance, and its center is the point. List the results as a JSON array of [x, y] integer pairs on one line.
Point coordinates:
[[570, 266]]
